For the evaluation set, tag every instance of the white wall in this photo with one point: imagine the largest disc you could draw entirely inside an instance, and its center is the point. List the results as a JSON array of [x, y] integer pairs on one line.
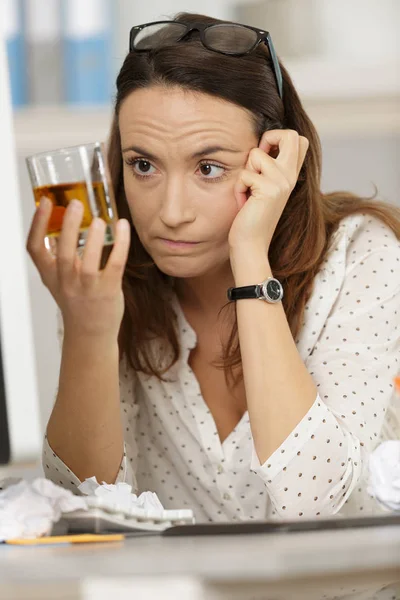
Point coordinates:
[[47, 352], [135, 12], [17, 341]]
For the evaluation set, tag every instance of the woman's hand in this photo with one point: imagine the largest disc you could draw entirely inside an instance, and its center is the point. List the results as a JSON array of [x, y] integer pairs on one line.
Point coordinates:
[[90, 299], [264, 187]]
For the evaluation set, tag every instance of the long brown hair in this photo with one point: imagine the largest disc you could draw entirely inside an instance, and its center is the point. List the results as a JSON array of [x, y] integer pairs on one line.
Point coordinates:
[[302, 238]]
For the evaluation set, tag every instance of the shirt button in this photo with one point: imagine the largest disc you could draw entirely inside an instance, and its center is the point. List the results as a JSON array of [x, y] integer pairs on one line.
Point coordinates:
[[226, 496], [220, 469]]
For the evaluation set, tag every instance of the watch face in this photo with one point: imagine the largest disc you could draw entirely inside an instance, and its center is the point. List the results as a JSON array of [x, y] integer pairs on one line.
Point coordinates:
[[274, 289]]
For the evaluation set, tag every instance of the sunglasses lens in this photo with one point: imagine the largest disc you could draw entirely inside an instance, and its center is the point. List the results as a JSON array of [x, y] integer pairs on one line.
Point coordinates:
[[160, 34], [230, 38]]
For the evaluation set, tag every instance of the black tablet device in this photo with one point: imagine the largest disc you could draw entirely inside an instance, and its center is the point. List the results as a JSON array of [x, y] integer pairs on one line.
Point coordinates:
[[252, 527]]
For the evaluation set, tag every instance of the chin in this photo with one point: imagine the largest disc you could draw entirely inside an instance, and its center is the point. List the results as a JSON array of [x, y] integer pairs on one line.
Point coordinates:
[[188, 265], [183, 267]]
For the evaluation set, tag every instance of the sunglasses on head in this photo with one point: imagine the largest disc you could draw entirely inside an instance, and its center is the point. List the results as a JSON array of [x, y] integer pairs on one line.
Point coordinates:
[[231, 39]]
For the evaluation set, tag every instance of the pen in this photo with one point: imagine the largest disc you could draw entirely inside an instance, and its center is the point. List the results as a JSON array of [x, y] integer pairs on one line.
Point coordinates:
[[68, 539]]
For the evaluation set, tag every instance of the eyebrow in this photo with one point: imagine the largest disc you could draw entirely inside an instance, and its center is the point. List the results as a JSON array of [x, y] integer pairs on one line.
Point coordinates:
[[204, 151]]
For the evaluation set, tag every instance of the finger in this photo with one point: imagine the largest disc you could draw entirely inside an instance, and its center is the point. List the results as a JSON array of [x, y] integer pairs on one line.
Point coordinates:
[[248, 183], [270, 173], [303, 145], [287, 140], [93, 251], [261, 163], [115, 267], [35, 244], [266, 148], [303, 148], [68, 239]]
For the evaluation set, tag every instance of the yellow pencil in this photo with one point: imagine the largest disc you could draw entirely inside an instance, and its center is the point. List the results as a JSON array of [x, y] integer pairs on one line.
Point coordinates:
[[68, 539]]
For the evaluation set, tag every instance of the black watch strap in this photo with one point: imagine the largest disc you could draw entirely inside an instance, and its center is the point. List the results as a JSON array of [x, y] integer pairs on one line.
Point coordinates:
[[244, 292]]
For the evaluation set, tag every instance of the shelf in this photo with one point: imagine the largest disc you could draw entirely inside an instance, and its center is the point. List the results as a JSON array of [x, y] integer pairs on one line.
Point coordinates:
[[45, 128], [362, 118], [341, 100], [323, 78]]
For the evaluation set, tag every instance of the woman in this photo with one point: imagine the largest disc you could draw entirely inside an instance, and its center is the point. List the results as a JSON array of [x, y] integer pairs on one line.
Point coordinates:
[[238, 409]]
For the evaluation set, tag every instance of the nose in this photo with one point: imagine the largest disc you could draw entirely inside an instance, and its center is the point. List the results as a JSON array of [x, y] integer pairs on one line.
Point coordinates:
[[176, 207]]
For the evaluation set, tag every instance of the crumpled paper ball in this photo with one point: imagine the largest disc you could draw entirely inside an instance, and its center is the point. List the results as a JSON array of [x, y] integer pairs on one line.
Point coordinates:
[[384, 474], [29, 509], [119, 496]]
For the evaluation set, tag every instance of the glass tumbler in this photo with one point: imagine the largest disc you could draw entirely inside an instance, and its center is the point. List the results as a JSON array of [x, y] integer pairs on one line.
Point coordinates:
[[75, 173]]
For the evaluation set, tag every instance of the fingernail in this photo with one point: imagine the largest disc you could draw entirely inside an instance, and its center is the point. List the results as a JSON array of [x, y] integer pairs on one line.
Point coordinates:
[[76, 205], [43, 202], [97, 222], [123, 225]]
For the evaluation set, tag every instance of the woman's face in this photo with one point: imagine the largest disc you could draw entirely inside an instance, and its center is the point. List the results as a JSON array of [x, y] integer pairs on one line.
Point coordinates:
[[182, 153]]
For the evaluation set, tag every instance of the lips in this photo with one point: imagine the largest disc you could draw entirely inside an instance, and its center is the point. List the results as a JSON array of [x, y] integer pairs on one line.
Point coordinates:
[[178, 243]]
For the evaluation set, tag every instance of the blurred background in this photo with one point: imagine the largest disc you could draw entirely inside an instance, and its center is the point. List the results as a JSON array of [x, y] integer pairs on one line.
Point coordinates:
[[343, 56]]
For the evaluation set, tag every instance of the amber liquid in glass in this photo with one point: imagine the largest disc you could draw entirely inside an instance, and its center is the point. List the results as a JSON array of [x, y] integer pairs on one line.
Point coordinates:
[[62, 194]]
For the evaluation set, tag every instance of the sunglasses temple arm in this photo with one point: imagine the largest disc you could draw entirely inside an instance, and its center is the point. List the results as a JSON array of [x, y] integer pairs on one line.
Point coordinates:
[[275, 62]]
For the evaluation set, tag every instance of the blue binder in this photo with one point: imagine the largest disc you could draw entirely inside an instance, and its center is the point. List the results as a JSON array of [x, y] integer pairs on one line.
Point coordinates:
[[15, 52], [87, 53]]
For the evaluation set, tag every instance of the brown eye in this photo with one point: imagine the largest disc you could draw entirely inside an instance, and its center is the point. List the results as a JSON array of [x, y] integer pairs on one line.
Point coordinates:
[[211, 171], [143, 165], [206, 169]]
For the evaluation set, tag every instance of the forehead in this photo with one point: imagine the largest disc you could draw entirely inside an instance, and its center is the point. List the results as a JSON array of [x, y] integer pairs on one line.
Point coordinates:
[[174, 114]]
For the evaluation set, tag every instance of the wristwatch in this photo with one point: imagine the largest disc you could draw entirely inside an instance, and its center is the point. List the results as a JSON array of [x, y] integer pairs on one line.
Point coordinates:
[[270, 290]]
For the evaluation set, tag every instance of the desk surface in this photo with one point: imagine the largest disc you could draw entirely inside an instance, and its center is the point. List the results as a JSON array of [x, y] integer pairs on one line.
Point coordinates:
[[373, 553]]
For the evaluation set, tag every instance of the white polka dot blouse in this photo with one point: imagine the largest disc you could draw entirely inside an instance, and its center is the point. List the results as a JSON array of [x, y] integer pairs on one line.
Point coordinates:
[[349, 342]]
